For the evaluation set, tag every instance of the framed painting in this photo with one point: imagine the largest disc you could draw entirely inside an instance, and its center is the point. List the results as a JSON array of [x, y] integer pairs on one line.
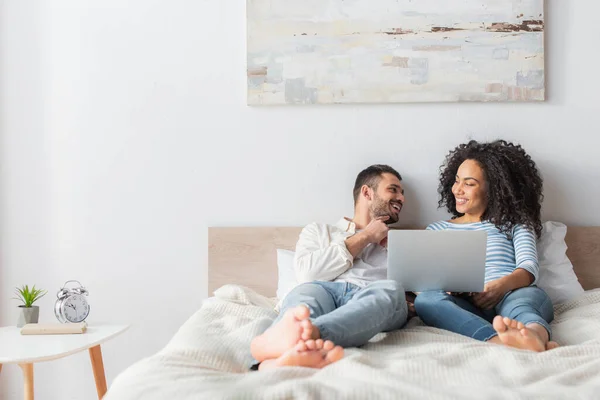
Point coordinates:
[[394, 51]]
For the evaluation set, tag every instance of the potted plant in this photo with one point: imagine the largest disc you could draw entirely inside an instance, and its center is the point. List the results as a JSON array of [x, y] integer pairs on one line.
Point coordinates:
[[28, 314]]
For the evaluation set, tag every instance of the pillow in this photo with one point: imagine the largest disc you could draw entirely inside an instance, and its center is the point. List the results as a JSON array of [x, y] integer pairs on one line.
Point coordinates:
[[286, 280], [557, 277]]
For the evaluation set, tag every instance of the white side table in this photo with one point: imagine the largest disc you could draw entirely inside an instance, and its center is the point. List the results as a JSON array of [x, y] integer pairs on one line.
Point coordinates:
[[26, 350]]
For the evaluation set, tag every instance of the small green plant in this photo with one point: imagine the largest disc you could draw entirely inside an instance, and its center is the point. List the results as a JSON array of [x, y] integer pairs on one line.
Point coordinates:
[[28, 296]]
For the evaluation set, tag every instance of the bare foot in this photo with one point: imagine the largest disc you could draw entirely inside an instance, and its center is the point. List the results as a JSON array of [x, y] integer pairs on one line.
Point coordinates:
[[514, 334], [276, 340], [552, 345], [309, 354]]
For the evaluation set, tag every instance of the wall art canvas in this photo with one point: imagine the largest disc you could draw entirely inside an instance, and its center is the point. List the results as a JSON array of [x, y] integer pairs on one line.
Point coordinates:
[[394, 51]]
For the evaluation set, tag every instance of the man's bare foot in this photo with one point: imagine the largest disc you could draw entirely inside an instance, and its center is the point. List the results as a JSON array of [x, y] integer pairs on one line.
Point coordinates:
[[284, 335], [551, 345], [309, 354], [514, 334]]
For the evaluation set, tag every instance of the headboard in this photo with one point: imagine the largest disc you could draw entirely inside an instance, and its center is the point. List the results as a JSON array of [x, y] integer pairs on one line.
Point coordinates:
[[247, 256]]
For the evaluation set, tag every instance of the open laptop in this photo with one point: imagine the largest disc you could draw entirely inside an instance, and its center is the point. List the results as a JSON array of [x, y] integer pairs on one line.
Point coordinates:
[[453, 261]]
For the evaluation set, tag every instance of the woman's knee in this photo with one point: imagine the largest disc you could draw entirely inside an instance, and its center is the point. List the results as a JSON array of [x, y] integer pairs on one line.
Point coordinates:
[[527, 299], [530, 295]]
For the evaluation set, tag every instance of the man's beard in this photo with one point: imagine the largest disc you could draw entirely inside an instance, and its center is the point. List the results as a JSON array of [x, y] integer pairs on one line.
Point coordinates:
[[381, 208]]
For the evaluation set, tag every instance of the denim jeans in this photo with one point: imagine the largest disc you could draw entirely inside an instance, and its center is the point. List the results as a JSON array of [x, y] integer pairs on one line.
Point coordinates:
[[441, 310], [349, 315]]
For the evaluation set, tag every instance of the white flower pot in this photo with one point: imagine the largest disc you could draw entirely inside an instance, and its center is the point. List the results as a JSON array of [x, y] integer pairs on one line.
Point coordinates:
[[28, 315]]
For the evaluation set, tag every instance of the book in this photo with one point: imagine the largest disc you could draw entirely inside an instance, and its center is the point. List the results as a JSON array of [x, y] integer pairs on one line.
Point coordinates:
[[53, 329]]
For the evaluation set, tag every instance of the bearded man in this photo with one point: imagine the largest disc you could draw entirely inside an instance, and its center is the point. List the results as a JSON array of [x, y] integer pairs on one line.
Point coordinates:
[[343, 298]]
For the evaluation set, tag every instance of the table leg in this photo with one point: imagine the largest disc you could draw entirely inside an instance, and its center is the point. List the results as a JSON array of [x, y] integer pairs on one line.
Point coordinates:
[[27, 380], [98, 369]]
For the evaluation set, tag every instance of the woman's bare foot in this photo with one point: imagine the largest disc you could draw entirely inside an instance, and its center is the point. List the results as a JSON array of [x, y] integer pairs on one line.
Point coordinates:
[[309, 354], [514, 334], [278, 339]]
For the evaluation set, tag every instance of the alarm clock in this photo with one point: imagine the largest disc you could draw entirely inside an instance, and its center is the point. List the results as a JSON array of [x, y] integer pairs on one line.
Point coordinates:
[[71, 305]]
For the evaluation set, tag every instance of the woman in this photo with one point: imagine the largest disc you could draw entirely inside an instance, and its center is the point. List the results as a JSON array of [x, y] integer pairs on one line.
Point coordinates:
[[495, 187]]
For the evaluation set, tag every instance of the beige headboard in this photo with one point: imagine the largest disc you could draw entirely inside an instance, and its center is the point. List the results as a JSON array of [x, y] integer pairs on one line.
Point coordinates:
[[247, 256], [584, 252]]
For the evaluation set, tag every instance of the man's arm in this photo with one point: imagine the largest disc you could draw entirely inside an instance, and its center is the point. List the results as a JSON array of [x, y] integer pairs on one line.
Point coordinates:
[[356, 243], [318, 256]]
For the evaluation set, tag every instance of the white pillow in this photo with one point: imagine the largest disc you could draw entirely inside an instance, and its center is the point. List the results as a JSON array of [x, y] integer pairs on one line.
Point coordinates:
[[557, 277], [286, 280]]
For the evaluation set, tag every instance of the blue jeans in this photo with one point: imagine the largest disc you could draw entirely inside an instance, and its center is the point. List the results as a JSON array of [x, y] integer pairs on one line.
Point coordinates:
[[349, 315], [441, 310]]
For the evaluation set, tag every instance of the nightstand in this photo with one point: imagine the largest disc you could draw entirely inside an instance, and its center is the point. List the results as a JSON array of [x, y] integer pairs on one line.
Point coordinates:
[[25, 350]]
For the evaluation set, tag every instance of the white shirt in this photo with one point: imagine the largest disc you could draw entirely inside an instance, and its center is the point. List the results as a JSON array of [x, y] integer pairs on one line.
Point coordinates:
[[322, 255]]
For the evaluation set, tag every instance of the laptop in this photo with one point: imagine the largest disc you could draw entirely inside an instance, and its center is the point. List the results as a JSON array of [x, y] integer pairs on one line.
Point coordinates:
[[453, 261]]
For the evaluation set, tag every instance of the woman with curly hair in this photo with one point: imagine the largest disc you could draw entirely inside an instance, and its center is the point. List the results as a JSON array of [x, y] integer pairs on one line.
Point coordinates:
[[494, 187]]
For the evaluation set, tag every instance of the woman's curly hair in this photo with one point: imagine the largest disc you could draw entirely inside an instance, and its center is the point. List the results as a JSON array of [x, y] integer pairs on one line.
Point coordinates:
[[514, 185]]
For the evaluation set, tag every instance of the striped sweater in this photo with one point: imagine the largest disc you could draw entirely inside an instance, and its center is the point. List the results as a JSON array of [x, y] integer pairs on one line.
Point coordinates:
[[503, 255]]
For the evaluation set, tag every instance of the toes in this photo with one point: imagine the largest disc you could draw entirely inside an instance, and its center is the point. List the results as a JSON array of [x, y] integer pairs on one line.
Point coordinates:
[[306, 324], [335, 354], [319, 344], [552, 345], [307, 329], [328, 345], [311, 344], [511, 324], [301, 313], [524, 332], [499, 324], [301, 346], [520, 325]]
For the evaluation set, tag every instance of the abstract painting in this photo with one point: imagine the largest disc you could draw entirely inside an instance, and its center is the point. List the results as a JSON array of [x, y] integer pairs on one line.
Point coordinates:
[[394, 51]]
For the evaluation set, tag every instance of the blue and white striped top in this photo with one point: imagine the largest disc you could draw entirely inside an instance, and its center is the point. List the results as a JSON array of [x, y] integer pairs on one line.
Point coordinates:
[[503, 255]]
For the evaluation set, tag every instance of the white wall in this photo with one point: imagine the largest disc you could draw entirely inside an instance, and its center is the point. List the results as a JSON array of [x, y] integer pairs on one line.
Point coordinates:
[[124, 135]]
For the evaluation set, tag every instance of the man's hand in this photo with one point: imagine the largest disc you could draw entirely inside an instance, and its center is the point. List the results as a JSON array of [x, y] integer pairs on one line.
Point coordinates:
[[491, 295], [377, 230]]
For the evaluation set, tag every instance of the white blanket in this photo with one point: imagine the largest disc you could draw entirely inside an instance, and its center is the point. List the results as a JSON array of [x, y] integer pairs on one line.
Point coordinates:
[[209, 358]]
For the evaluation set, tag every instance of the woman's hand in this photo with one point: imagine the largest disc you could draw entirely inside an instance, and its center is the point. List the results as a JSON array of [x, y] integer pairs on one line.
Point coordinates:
[[410, 302], [492, 293]]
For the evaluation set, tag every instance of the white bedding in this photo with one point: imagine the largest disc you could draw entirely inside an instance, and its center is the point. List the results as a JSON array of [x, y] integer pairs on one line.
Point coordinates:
[[209, 358]]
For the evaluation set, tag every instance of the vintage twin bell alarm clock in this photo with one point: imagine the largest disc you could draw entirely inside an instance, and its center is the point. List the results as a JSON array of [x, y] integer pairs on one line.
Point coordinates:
[[71, 305]]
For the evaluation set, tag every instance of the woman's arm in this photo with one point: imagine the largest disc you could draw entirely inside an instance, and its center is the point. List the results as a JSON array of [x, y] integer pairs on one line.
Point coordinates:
[[526, 256], [518, 279], [525, 273]]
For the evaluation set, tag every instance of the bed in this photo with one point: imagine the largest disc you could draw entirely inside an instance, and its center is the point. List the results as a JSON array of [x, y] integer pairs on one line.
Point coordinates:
[[209, 355]]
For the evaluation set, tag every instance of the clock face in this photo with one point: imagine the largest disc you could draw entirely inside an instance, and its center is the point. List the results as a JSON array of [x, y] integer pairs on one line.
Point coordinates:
[[76, 308]]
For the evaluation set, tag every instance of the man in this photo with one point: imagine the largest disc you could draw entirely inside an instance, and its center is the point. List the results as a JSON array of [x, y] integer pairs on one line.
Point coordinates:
[[343, 298]]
